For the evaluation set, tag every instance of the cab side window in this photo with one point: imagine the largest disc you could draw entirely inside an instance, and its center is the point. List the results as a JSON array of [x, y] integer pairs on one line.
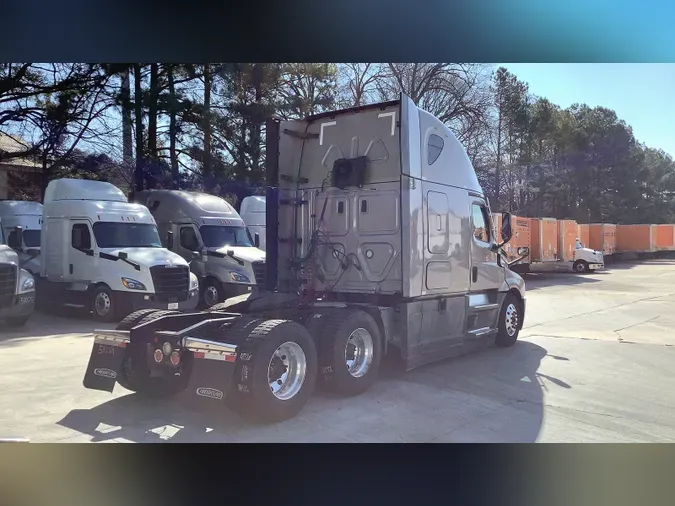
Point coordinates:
[[188, 239], [80, 238], [434, 148], [480, 223]]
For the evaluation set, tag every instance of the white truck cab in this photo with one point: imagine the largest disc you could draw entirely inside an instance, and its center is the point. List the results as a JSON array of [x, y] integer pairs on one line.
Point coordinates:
[[17, 287], [252, 211], [27, 216], [197, 224], [102, 253], [586, 259]]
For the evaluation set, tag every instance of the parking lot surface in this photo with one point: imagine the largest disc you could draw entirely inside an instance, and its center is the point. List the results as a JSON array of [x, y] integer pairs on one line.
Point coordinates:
[[593, 364]]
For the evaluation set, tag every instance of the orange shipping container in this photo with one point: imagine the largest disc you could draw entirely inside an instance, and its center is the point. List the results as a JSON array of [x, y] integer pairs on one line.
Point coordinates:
[[544, 237], [665, 237], [567, 239], [636, 238], [584, 235], [520, 234], [602, 237]]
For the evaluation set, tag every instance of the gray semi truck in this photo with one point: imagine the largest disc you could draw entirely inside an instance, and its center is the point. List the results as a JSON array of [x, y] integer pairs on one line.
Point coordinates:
[[379, 241], [208, 232]]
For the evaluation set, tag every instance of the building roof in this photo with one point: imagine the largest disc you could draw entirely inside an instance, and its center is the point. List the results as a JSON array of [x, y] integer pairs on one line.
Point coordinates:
[[14, 144]]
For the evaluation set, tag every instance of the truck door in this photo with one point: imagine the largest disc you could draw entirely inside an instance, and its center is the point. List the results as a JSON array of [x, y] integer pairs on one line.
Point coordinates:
[[81, 252], [485, 274]]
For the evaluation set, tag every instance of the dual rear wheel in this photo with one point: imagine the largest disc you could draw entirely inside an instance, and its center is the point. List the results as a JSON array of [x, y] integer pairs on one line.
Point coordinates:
[[281, 361]]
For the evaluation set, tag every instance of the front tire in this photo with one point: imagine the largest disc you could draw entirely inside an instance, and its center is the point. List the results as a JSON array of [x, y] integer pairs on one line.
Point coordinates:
[[276, 371], [350, 352], [212, 293], [103, 305], [509, 322], [581, 267]]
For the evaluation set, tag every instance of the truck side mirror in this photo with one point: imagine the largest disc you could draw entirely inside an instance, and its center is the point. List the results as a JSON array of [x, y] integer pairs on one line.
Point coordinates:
[[15, 239], [506, 227], [523, 251], [169, 240], [256, 240]]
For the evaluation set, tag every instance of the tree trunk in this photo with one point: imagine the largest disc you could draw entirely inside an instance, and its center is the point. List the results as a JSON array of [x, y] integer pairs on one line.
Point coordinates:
[[256, 130], [152, 123], [207, 175], [138, 110], [127, 140], [175, 175]]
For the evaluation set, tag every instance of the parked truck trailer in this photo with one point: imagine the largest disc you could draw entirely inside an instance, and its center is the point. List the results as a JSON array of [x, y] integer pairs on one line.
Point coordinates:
[[380, 248], [555, 246]]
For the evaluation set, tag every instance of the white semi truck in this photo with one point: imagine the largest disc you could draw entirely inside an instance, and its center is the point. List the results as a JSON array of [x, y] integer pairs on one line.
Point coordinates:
[[207, 228], [103, 254], [252, 211], [17, 286], [384, 245], [27, 216]]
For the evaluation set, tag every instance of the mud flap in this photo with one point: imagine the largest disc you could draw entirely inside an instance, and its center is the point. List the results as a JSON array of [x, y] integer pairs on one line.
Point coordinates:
[[104, 365], [210, 379]]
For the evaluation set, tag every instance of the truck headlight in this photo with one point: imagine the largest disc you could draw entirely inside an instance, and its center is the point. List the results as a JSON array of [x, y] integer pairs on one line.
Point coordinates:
[[28, 285], [238, 277], [133, 284], [194, 282]]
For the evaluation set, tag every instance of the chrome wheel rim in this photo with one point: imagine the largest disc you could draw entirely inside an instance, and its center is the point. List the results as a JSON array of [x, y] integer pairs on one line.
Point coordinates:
[[511, 320], [211, 295], [580, 268], [359, 352], [287, 370], [102, 303]]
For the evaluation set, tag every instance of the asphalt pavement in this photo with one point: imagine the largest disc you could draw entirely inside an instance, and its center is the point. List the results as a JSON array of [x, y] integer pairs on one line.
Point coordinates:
[[593, 364]]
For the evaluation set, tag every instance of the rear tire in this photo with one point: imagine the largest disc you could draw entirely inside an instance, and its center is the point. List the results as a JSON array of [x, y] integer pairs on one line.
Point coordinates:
[[276, 371], [103, 304], [132, 319], [581, 267], [509, 322], [350, 352], [134, 374]]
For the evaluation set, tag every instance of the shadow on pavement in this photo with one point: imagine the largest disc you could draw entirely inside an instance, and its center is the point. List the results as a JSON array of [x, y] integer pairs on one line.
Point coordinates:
[[48, 325], [492, 395], [534, 281], [508, 377]]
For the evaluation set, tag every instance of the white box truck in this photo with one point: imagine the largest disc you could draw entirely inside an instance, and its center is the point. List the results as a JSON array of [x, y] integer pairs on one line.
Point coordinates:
[[102, 253], [207, 228], [27, 216]]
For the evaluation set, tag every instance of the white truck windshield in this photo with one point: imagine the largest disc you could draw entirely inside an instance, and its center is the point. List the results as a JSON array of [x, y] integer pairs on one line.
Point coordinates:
[[216, 236], [126, 235]]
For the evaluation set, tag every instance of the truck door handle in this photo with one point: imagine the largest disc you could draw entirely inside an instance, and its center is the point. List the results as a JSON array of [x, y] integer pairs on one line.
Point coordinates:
[[71, 268], [474, 274]]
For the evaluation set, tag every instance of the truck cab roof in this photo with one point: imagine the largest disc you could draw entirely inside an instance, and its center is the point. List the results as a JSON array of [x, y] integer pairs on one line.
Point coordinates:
[[20, 208], [193, 207]]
